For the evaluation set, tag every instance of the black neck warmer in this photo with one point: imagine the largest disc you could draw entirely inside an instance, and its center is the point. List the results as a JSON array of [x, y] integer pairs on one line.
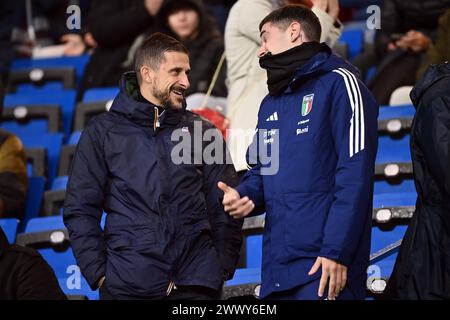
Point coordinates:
[[282, 67]]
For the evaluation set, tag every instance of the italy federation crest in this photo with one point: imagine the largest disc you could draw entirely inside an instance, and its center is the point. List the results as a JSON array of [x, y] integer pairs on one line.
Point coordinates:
[[307, 104]]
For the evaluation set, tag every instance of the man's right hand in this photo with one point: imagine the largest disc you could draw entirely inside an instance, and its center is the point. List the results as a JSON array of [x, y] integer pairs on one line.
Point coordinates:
[[232, 202]]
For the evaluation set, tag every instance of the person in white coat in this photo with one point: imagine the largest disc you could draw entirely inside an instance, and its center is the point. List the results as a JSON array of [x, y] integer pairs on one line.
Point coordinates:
[[246, 79]]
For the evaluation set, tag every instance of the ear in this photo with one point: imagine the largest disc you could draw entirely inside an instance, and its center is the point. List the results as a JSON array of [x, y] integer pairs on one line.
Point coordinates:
[[296, 32], [146, 74]]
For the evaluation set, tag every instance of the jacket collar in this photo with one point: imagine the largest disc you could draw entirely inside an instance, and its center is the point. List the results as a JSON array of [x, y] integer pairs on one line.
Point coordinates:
[[130, 104], [321, 63]]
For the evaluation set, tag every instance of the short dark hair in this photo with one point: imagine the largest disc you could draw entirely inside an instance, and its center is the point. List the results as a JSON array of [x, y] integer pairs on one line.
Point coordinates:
[[151, 51], [284, 16]]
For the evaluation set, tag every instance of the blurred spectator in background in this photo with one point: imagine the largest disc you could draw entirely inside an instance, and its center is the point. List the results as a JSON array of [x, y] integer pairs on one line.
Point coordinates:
[[422, 269], [7, 9], [114, 28], [25, 275], [407, 30], [13, 173], [220, 9], [247, 80], [38, 28], [439, 51], [188, 22]]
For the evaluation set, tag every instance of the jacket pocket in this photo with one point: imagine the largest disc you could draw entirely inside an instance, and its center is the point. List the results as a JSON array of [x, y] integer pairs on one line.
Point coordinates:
[[117, 243], [137, 265], [304, 223], [131, 236]]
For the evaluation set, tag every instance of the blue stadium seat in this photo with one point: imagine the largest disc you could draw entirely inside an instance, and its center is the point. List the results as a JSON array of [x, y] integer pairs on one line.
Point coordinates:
[[36, 162], [254, 251], [354, 40], [381, 240], [385, 246], [245, 276], [38, 126], [50, 86], [394, 120], [36, 187], [50, 235], [66, 99], [32, 119], [405, 186], [393, 150], [245, 284], [393, 157], [79, 63], [52, 142], [9, 227], [394, 200], [74, 138], [100, 94], [54, 198], [60, 183], [387, 112]]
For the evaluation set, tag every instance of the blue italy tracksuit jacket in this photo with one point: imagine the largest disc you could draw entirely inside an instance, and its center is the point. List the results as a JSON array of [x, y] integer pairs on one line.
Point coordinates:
[[319, 201]]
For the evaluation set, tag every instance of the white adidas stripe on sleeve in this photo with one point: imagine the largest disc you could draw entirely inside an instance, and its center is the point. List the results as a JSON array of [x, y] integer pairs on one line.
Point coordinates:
[[357, 128]]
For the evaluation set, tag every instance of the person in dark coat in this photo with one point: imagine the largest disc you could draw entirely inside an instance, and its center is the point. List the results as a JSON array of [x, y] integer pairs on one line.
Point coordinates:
[[13, 176], [407, 31], [439, 52], [13, 172], [422, 269], [189, 22], [166, 232], [25, 275]]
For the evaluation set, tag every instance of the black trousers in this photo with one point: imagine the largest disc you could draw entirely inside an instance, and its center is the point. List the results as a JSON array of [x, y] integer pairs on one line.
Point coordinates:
[[180, 293]]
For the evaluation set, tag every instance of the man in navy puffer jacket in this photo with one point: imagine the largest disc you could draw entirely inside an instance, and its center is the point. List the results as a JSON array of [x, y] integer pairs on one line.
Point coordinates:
[[166, 233]]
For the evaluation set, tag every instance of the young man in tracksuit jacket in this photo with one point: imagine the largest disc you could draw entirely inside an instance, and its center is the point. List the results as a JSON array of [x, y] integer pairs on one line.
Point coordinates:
[[316, 189]]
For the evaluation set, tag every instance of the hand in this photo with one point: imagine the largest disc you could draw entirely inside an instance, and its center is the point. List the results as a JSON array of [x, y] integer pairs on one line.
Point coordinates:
[[391, 47], [153, 6], [233, 204], [100, 282], [335, 271], [414, 40], [74, 45], [89, 40]]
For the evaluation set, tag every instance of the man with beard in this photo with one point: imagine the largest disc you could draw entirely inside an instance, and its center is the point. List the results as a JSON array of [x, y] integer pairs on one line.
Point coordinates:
[[166, 234]]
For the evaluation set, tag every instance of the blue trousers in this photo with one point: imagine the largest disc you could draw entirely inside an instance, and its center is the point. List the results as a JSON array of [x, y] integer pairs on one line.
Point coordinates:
[[308, 291]]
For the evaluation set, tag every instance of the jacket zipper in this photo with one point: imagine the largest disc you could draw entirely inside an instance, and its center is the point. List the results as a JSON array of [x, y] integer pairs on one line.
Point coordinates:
[[171, 287], [157, 116], [157, 124], [156, 119]]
